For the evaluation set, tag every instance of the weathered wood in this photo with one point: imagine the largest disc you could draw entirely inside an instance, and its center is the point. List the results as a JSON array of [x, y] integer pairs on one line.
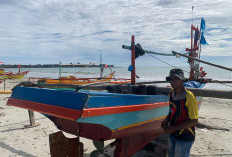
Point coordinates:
[[32, 120], [151, 82], [217, 81], [61, 146], [225, 94], [207, 81], [31, 117]]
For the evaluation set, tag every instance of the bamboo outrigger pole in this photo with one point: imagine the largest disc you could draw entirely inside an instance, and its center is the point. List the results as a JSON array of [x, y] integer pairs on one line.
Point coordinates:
[[150, 52], [215, 65]]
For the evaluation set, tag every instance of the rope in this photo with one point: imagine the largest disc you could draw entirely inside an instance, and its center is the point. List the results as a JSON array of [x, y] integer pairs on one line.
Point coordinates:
[[81, 69], [113, 74], [167, 63], [183, 70]]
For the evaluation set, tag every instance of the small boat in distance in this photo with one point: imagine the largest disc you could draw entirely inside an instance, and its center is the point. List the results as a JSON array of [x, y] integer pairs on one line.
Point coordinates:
[[18, 75], [82, 81], [110, 78], [11, 75]]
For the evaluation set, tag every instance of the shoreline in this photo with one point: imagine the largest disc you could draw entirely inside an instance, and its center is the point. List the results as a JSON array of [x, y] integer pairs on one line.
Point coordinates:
[[54, 65]]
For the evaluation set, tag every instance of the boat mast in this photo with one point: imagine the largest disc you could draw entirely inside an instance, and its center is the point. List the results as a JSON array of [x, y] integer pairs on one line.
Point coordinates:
[[101, 67], [60, 69], [19, 66], [133, 81], [191, 76], [194, 65]]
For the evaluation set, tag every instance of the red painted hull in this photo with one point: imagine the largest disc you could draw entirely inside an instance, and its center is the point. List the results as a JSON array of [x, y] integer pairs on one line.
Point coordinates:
[[100, 132]]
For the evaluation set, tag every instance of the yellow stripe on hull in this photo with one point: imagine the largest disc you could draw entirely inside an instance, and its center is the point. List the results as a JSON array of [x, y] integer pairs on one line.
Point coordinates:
[[140, 123]]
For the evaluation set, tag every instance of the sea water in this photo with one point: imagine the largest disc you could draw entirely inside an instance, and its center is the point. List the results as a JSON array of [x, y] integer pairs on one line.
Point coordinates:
[[156, 73]]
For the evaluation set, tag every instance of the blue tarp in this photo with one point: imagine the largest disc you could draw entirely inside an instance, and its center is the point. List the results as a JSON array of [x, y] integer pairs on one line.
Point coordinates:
[[192, 84]]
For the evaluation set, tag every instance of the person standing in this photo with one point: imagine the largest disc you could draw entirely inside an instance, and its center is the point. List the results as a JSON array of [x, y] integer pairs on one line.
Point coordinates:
[[182, 118]]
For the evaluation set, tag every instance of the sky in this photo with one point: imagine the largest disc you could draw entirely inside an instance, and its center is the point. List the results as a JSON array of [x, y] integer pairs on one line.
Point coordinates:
[[72, 31]]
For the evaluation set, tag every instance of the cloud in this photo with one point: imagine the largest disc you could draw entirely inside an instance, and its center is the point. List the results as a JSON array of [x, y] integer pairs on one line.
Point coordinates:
[[79, 31]]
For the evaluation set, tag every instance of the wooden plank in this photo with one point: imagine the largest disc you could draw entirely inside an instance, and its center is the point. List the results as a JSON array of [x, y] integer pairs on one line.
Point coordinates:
[[61, 146], [32, 120]]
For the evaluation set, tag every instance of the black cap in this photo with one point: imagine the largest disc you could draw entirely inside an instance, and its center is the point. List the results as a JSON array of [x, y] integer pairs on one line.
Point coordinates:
[[176, 73]]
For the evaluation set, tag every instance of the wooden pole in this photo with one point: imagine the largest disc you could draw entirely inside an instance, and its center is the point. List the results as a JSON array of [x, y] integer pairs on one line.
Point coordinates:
[[133, 60], [4, 84], [19, 66], [60, 70], [191, 77], [215, 65], [32, 120], [31, 117]]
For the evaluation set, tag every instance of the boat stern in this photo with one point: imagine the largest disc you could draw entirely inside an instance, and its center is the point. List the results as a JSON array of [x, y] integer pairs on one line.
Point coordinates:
[[59, 103]]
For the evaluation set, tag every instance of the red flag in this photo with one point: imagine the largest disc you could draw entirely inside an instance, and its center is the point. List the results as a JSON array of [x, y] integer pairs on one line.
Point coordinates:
[[19, 66]]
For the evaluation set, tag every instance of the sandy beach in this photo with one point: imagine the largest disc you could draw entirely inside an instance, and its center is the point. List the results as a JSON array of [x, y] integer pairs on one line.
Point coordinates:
[[213, 138]]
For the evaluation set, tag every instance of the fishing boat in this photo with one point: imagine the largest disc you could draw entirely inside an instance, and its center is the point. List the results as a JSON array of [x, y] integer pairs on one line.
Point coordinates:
[[82, 81], [19, 75], [4, 75], [98, 116], [11, 75], [2, 71], [132, 119]]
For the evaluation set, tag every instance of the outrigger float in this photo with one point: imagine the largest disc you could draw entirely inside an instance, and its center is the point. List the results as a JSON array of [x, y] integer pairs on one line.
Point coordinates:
[[129, 113]]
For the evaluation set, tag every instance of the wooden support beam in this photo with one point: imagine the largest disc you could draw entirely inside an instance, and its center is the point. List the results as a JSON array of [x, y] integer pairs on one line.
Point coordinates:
[[218, 81], [32, 120]]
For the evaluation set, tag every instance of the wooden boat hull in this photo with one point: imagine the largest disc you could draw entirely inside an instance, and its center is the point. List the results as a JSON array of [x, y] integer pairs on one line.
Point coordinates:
[[133, 120], [113, 116]]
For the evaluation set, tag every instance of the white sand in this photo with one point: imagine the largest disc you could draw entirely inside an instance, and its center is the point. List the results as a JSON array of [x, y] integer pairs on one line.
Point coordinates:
[[16, 141], [217, 141]]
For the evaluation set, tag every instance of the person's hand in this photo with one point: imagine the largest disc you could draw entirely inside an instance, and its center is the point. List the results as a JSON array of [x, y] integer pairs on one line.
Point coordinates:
[[164, 124], [169, 129]]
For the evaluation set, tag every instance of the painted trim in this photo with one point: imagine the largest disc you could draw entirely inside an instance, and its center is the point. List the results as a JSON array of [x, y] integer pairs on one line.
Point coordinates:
[[140, 123], [89, 112], [46, 109], [118, 120], [56, 98]]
